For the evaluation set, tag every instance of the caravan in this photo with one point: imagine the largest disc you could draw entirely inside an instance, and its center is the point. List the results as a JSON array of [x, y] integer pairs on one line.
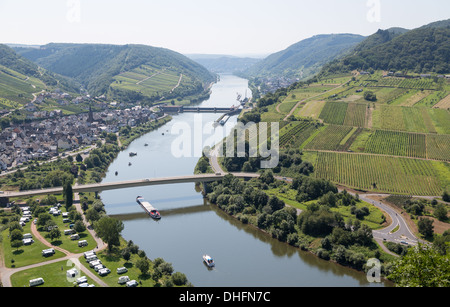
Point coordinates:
[[36, 282]]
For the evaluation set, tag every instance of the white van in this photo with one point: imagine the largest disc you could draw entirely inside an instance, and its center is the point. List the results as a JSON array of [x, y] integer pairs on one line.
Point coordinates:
[[95, 263], [81, 280], [91, 258], [98, 267], [104, 271], [82, 243], [27, 236], [74, 237], [132, 283], [123, 279], [122, 270], [68, 231], [36, 282], [89, 253], [48, 252]]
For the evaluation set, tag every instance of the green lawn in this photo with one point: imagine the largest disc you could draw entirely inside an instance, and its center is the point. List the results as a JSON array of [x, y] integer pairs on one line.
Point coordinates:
[[27, 254], [54, 275]]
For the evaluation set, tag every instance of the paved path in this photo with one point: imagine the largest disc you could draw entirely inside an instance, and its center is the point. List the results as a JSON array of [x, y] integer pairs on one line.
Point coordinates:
[[402, 235], [5, 273]]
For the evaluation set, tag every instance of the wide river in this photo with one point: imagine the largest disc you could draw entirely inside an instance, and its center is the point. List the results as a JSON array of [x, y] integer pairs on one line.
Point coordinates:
[[190, 226]]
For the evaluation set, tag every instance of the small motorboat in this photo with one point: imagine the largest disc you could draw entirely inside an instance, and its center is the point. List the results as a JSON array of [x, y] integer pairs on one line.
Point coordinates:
[[208, 260]]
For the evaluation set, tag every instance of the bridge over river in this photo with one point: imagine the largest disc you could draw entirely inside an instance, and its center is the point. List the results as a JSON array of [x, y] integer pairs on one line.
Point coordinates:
[[99, 187]]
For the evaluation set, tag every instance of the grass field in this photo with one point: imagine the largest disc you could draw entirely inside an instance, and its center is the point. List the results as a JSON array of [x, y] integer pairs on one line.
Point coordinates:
[[382, 173]]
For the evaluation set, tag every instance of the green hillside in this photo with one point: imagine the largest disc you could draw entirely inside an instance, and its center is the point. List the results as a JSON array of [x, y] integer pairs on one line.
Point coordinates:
[[398, 143], [422, 50], [20, 78], [113, 69], [305, 58]]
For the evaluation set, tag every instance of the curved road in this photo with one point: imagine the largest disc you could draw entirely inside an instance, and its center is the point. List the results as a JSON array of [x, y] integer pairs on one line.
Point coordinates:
[[402, 232], [5, 273]]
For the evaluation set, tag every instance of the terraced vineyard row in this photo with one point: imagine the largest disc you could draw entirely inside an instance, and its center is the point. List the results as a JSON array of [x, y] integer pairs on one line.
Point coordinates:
[[412, 119], [438, 147], [356, 115], [397, 144], [330, 138], [296, 133], [406, 83], [334, 113], [379, 173]]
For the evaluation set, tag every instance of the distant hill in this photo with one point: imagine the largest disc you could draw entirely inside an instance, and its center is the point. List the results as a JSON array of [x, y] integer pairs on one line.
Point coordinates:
[[305, 58], [20, 77], [224, 63], [422, 50], [98, 67]]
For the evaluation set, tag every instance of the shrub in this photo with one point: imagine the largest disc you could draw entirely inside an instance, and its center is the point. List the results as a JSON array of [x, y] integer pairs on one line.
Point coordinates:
[[179, 279]]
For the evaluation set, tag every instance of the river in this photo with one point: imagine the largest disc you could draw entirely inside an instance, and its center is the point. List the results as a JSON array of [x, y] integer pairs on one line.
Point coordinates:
[[190, 226]]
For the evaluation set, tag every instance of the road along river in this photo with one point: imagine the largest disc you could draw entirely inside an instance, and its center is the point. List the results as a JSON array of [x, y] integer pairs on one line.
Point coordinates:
[[190, 226]]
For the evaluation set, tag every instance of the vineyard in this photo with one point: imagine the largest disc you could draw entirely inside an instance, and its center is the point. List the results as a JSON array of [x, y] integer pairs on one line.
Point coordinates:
[[438, 147], [423, 83], [356, 115], [397, 144], [412, 119], [330, 138], [334, 112], [380, 173], [296, 133]]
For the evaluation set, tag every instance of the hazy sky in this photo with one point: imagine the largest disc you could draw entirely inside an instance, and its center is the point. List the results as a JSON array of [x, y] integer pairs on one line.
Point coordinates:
[[207, 26]]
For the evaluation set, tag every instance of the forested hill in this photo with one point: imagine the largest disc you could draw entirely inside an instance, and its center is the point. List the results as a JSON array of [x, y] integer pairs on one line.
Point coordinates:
[[96, 65], [304, 58], [422, 50]]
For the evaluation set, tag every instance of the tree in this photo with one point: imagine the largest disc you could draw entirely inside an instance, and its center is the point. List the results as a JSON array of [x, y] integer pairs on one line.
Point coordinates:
[[179, 279], [79, 158], [109, 230], [43, 218], [370, 96], [426, 227], [126, 254], [441, 212], [68, 194], [422, 266], [446, 196], [55, 233], [92, 215], [79, 226], [16, 234], [143, 265]]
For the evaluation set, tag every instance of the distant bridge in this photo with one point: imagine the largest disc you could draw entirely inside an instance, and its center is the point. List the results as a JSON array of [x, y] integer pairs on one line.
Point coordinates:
[[183, 109], [99, 187]]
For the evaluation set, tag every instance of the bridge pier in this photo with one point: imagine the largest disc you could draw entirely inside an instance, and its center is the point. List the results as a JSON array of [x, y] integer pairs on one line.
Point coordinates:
[[204, 189]]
